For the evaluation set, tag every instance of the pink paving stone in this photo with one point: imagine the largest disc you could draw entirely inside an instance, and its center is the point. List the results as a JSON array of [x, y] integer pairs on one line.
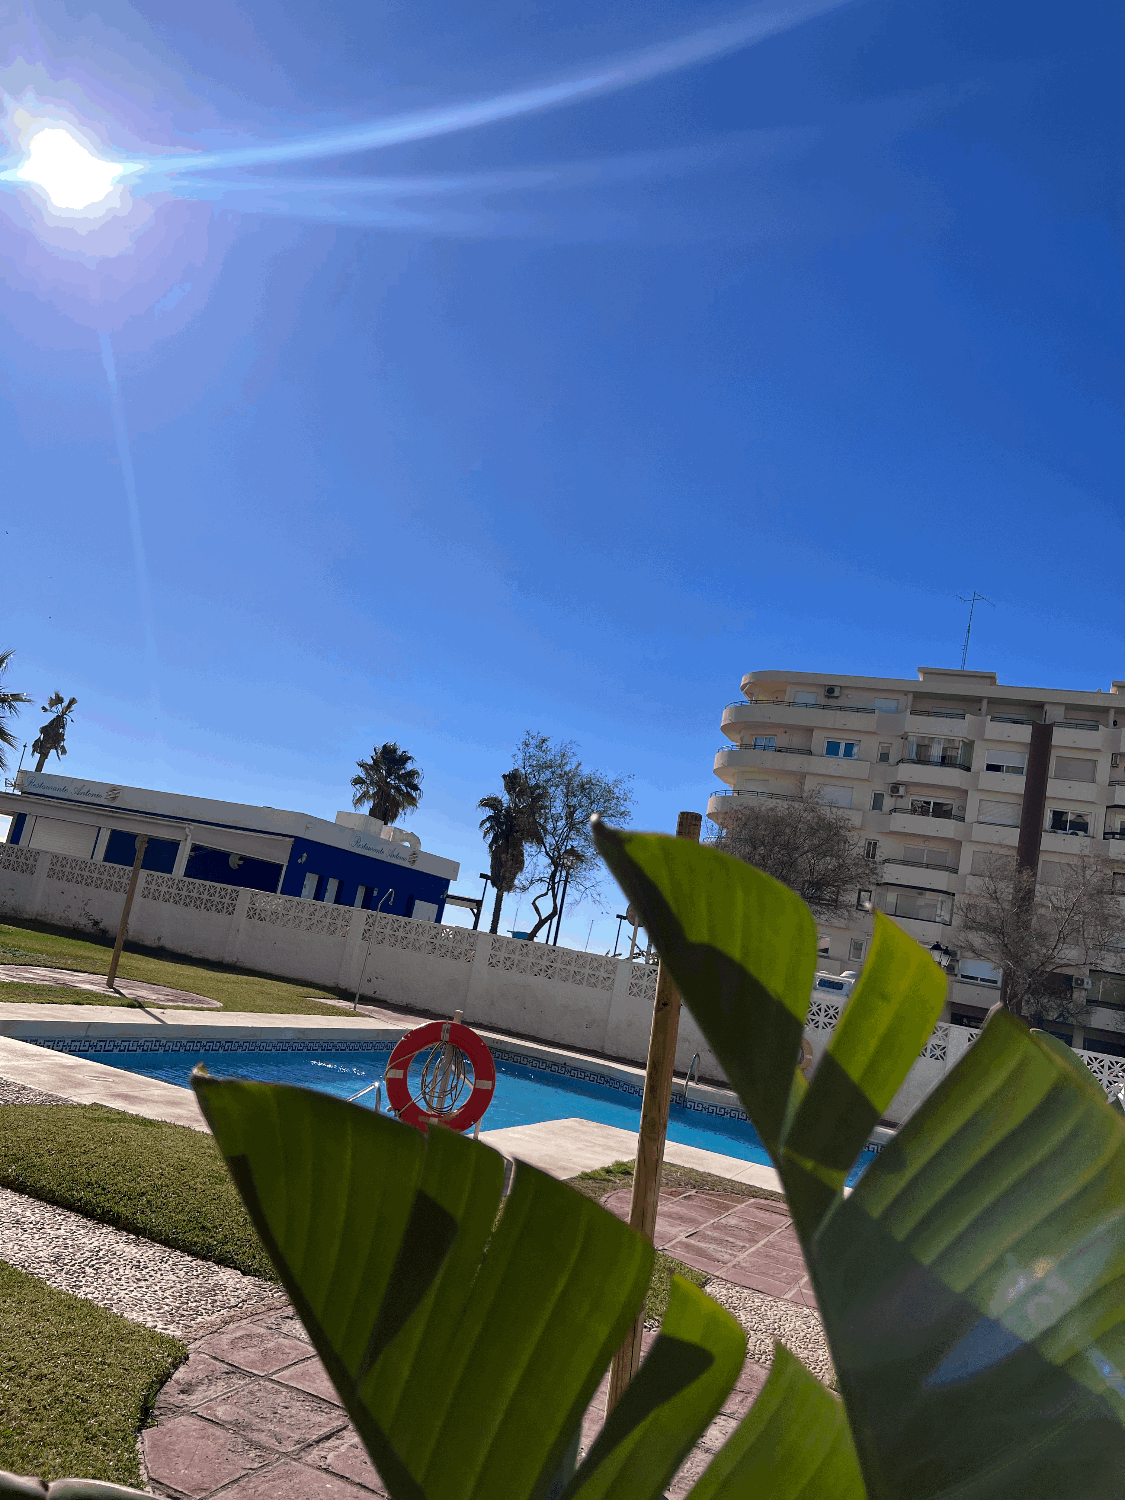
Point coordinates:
[[294, 1481], [200, 1379], [345, 1454], [255, 1348], [275, 1415], [310, 1375], [742, 1273], [195, 1457]]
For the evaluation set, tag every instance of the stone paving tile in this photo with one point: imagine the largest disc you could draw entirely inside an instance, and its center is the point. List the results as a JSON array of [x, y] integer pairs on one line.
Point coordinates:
[[310, 1375], [131, 989], [344, 1454], [253, 1347], [274, 1415], [194, 1457], [200, 1379], [295, 1481]]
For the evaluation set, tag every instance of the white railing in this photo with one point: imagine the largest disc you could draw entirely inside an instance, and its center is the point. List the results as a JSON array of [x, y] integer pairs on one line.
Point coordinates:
[[90, 873], [196, 895], [564, 965], [302, 916], [19, 861], [458, 944]]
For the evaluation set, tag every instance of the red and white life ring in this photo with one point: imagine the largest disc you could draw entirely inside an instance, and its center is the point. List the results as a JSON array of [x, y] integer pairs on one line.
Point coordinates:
[[414, 1112]]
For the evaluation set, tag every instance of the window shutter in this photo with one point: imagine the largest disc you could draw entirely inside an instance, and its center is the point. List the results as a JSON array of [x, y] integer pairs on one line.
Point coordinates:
[[1007, 813], [835, 796], [1074, 768]]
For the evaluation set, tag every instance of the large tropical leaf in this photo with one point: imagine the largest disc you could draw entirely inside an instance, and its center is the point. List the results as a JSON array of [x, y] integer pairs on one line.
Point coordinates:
[[689, 1372], [793, 1444], [742, 950], [973, 1285], [465, 1340], [890, 1014]]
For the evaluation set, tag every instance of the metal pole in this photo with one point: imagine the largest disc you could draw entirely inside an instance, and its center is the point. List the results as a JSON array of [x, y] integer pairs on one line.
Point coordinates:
[[562, 903], [142, 842], [483, 893], [655, 1105], [1031, 835], [617, 940]]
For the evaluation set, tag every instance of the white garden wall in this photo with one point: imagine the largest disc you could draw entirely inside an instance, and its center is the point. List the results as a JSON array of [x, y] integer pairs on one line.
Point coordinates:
[[578, 1000]]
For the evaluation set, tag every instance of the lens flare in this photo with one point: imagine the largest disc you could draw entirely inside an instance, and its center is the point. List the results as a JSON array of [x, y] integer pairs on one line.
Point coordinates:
[[72, 177]]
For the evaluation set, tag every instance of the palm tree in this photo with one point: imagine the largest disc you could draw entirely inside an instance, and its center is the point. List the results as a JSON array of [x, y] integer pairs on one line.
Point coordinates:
[[53, 733], [9, 707], [387, 784], [511, 822]]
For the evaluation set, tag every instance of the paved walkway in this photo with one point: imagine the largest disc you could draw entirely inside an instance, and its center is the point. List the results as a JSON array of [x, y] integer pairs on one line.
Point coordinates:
[[252, 1414], [128, 989], [748, 1241]]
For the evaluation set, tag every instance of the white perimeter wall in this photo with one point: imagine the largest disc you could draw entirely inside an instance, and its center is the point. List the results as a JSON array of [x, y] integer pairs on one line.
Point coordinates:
[[579, 1000]]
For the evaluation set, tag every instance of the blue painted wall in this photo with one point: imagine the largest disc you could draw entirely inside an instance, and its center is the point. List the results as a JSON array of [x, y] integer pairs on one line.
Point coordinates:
[[160, 854], [215, 864], [353, 870]]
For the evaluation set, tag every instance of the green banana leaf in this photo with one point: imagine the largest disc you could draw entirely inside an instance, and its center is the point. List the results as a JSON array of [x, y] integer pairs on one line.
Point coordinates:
[[793, 1444], [465, 1338], [973, 1285]]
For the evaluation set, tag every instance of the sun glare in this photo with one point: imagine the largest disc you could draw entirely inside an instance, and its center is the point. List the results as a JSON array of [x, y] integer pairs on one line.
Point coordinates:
[[71, 176]]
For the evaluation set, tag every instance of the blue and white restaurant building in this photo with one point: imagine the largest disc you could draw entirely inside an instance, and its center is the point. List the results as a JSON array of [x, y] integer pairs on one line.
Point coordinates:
[[355, 861]]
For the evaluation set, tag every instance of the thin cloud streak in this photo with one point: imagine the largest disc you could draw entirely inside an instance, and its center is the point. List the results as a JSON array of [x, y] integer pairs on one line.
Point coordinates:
[[607, 77]]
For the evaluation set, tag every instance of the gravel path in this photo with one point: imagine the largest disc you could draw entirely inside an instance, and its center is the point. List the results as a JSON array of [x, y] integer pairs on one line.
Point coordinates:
[[164, 1289], [768, 1318], [19, 1093]]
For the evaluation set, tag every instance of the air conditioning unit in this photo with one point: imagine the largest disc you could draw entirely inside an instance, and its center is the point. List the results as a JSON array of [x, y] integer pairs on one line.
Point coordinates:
[[831, 692], [1079, 982], [897, 789]]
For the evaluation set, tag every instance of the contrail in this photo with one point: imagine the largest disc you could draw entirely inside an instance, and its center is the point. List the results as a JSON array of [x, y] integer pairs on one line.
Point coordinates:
[[599, 78], [125, 457]]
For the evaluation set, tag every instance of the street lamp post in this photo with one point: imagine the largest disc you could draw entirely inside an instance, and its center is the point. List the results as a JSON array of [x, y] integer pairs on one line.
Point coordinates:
[[484, 891]]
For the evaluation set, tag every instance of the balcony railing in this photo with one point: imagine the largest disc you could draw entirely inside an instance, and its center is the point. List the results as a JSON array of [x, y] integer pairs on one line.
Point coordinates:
[[1088, 724], [1006, 770], [955, 763], [766, 749], [919, 812], [836, 708], [939, 713], [774, 796], [1114, 833], [919, 864], [1010, 719]]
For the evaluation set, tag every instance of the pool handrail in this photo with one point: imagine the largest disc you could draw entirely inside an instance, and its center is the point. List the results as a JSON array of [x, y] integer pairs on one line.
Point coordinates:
[[377, 1086], [687, 1076]]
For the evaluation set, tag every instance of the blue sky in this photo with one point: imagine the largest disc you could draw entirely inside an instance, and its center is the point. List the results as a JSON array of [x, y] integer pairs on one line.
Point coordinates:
[[759, 361]]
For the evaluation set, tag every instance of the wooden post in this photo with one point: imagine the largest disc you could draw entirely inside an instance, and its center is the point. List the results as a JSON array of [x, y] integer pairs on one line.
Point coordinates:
[[142, 842], [655, 1105]]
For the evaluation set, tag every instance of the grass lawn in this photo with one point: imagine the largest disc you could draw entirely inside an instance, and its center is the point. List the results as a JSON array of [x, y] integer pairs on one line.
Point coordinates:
[[76, 1383], [164, 1182], [605, 1180], [235, 989]]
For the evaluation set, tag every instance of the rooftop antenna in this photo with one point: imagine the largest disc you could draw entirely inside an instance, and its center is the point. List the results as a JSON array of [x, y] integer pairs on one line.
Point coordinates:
[[972, 603]]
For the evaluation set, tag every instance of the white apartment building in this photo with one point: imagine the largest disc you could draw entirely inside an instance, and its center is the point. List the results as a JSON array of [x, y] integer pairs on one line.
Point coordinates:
[[931, 773]]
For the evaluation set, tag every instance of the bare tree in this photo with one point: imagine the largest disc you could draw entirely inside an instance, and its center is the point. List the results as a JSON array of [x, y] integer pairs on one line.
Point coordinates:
[[1036, 931], [561, 849], [805, 843]]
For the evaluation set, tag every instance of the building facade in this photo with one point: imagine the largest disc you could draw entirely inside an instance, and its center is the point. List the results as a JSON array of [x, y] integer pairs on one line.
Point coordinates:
[[930, 773], [355, 861]]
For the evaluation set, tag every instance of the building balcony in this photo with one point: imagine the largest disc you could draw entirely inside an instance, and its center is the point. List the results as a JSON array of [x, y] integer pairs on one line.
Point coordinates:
[[944, 721], [930, 877], [999, 835], [764, 712], [926, 777], [917, 825], [719, 804], [792, 761], [1009, 729], [1000, 781]]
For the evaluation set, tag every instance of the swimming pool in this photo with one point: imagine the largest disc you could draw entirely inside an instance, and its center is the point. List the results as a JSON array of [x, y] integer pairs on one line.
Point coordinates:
[[529, 1090]]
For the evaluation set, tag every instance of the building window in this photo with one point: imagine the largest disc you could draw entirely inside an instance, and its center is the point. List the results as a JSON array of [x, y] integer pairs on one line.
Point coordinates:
[[934, 752], [1064, 821], [361, 892], [884, 754], [887, 705], [1118, 883], [871, 849], [330, 891], [308, 889], [1007, 762], [855, 950], [835, 796], [842, 749], [863, 899], [925, 807], [917, 905], [805, 700], [876, 801], [765, 742]]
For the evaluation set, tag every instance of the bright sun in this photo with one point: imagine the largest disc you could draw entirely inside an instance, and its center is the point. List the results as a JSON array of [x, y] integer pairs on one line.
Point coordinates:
[[72, 177]]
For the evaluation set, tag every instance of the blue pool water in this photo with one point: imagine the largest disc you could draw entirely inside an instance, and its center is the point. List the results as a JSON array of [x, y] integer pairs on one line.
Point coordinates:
[[525, 1094]]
